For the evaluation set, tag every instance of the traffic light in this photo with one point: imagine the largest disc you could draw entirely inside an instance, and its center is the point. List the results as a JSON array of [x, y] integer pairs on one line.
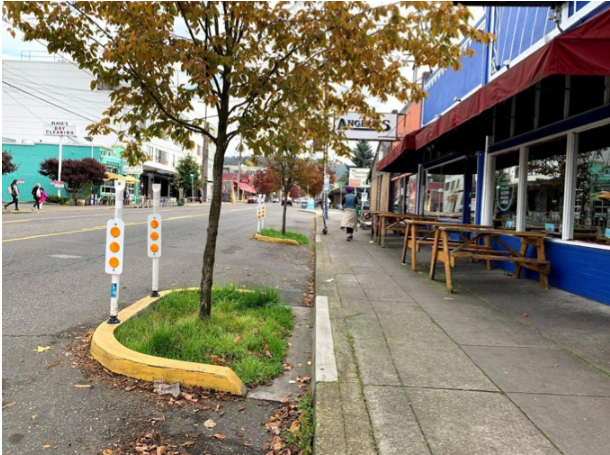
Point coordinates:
[[115, 234], [154, 236]]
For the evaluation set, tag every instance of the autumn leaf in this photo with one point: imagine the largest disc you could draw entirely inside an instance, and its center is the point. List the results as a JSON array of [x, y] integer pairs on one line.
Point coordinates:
[[82, 386], [209, 424], [187, 443], [219, 436], [9, 405], [268, 354], [42, 348]]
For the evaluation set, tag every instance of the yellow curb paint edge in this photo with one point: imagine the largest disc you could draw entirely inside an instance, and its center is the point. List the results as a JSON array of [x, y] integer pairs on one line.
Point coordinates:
[[117, 358], [263, 238]]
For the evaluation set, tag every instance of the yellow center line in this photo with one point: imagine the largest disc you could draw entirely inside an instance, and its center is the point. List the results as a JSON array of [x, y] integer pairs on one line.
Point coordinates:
[[97, 228], [68, 217]]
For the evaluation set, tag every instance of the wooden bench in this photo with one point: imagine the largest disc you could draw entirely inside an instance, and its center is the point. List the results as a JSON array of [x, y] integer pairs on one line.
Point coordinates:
[[422, 232], [442, 251]]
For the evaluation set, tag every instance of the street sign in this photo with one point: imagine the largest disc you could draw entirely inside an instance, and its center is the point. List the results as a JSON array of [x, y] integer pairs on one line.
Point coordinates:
[[59, 129], [192, 176], [57, 184], [20, 181]]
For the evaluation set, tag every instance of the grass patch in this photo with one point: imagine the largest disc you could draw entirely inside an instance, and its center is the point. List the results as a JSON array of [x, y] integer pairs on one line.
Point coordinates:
[[300, 238], [244, 329], [302, 436]]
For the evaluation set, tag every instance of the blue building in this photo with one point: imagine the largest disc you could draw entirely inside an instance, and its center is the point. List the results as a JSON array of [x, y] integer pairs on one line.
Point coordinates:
[[520, 136], [29, 156]]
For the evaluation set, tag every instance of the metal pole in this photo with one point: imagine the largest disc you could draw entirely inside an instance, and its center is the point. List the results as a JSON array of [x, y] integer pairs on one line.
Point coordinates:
[[119, 188], [61, 140], [155, 261], [238, 176]]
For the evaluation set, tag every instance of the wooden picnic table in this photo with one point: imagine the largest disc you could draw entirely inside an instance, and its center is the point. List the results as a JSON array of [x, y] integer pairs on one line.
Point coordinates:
[[420, 232], [397, 223], [441, 250]]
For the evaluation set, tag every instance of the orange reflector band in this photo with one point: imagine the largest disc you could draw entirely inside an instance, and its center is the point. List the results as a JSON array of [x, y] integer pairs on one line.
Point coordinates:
[[114, 263], [115, 247], [154, 248], [154, 224], [154, 235], [115, 232]]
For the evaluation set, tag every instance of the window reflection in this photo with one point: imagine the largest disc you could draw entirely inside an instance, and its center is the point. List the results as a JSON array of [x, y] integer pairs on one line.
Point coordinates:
[[506, 180]]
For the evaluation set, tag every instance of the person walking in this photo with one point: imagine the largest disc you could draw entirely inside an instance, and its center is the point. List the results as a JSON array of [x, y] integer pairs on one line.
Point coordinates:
[[43, 196], [37, 193], [13, 190], [350, 202]]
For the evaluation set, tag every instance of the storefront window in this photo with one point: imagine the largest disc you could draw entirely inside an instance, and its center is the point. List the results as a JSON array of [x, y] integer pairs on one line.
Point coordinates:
[[396, 196], [411, 193], [545, 187], [506, 179], [444, 194], [592, 201]]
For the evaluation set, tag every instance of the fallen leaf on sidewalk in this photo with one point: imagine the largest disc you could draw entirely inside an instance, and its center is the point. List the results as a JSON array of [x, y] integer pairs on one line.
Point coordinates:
[[220, 436], [190, 442], [268, 354], [82, 386], [108, 452], [217, 407], [241, 408], [42, 349], [209, 424], [9, 405], [130, 388], [292, 381], [304, 379], [46, 446], [220, 361], [53, 364], [237, 339]]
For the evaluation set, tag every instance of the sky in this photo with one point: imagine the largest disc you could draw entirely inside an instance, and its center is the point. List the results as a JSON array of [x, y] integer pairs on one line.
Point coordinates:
[[16, 48]]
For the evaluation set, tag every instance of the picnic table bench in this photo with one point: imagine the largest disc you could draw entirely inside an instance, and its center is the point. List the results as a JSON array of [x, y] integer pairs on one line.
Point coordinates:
[[389, 221], [421, 232], [443, 251]]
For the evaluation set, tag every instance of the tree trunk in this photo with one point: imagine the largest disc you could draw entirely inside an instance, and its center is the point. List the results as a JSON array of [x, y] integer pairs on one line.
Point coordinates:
[[284, 213]]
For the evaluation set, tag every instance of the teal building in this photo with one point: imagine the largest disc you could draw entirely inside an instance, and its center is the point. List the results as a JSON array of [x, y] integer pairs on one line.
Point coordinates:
[[29, 156]]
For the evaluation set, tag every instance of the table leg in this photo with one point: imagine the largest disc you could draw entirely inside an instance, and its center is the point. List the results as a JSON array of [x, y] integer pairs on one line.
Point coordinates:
[[405, 244], [447, 261], [414, 247], [522, 253], [544, 279], [382, 233], [434, 253], [488, 244]]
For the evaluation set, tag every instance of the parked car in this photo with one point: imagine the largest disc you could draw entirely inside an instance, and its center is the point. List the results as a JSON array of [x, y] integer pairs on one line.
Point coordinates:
[[252, 200], [276, 199], [288, 202]]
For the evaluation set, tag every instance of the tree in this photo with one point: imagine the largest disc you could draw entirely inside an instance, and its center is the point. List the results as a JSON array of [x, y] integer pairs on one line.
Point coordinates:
[[362, 155], [186, 167], [317, 171], [8, 166], [267, 182], [249, 62], [74, 173]]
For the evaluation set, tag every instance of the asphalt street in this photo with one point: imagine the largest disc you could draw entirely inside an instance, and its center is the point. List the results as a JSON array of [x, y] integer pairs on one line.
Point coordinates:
[[54, 286]]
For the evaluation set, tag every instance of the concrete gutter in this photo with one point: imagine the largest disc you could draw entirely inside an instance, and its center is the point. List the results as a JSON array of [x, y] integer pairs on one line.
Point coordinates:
[[117, 358]]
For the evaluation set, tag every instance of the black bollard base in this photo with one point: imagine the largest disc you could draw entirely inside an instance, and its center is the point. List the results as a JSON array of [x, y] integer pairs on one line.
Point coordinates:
[[113, 320], [154, 294]]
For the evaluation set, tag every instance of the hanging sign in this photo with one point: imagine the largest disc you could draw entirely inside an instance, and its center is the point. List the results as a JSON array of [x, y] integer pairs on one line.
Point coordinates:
[[358, 177], [356, 128]]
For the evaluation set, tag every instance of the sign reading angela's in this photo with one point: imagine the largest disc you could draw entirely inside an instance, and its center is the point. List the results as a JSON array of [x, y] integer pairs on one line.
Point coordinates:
[[356, 128], [60, 129]]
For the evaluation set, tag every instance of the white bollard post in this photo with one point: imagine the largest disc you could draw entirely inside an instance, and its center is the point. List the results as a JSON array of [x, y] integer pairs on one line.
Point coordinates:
[[114, 251], [155, 260]]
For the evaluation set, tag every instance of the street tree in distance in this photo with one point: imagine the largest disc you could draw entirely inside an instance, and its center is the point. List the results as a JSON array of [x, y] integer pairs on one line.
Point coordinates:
[[74, 173], [186, 167], [362, 155], [8, 166], [267, 182], [247, 61]]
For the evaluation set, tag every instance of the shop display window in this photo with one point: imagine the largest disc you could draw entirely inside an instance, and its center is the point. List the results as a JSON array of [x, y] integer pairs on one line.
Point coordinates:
[[411, 193], [506, 180], [444, 194], [592, 189], [546, 177]]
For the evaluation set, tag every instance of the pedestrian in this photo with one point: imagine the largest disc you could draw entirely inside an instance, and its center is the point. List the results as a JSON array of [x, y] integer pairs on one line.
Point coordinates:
[[36, 194], [13, 190], [126, 201], [350, 202], [43, 196]]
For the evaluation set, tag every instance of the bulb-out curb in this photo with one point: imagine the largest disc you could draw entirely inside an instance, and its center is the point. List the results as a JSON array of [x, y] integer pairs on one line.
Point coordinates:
[[264, 238], [107, 350]]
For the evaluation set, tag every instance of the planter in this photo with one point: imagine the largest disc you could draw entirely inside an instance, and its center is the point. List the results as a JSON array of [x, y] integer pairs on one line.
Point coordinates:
[[80, 202]]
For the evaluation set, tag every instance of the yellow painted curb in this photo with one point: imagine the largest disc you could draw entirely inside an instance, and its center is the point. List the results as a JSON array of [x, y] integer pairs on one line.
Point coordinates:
[[117, 358], [263, 238]]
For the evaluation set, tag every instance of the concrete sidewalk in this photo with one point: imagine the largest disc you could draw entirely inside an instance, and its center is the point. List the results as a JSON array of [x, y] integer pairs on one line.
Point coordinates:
[[422, 371]]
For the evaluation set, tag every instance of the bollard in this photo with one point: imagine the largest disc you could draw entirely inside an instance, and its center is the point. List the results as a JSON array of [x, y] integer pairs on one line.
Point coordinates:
[[154, 238], [115, 235]]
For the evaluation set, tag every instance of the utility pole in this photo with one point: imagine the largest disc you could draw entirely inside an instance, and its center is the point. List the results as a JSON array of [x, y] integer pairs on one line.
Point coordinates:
[[239, 172], [61, 141]]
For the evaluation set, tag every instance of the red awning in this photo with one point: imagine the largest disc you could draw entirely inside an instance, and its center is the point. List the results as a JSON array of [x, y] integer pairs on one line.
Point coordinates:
[[408, 143], [247, 188], [581, 51]]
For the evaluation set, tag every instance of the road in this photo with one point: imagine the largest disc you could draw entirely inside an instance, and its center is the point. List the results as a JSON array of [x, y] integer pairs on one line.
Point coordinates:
[[54, 286]]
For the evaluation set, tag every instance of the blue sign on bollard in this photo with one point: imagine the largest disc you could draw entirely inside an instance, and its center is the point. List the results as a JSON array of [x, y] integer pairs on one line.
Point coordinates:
[[113, 288]]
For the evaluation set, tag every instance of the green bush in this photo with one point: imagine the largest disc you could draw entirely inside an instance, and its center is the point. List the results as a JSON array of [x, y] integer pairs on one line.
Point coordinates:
[[180, 202], [54, 199]]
